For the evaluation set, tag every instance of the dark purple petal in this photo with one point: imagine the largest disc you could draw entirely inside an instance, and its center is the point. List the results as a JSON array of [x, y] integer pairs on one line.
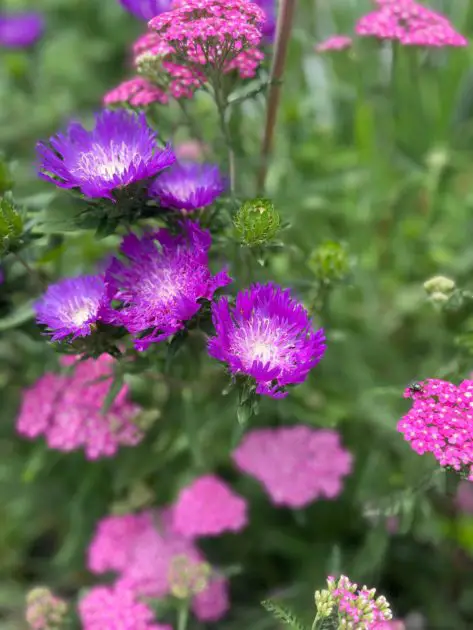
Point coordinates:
[[146, 9]]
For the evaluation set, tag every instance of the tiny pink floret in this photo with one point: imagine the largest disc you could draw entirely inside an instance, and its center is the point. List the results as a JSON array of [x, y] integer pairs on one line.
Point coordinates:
[[335, 42]]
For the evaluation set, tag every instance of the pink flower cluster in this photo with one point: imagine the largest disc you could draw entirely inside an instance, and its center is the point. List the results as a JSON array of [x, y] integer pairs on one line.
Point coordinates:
[[441, 422], [296, 465], [356, 608], [67, 410], [211, 31], [464, 498], [410, 23], [143, 549], [208, 507], [138, 92], [105, 608], [334, 42]]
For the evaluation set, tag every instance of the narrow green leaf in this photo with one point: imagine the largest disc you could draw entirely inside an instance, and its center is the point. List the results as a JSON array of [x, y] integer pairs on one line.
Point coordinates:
[[283, 614]]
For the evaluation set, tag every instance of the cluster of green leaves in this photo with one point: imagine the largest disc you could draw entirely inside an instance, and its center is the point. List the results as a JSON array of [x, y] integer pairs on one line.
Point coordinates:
[[372, 169]]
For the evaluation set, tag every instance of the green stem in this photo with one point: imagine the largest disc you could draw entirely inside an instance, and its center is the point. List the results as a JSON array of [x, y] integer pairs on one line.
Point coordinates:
[[314, 625], [221, 102], [32, 272], [183, 616], [192, 126]]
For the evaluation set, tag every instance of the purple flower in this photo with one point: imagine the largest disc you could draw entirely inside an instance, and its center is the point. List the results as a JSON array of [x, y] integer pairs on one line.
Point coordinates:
[[19, 30], [160, 285], [269, 27], [72, 306], [267, 335], [188, 186], [120, 151], [146, 9]]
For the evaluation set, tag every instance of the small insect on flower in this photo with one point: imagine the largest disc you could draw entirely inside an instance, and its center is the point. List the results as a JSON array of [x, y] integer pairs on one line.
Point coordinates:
[[415, 387]]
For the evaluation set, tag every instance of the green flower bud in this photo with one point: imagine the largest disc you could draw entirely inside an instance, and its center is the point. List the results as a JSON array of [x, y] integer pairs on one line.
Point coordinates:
[[329, 262], [257, 222], [439, 284], [11, 227], [188, 578]]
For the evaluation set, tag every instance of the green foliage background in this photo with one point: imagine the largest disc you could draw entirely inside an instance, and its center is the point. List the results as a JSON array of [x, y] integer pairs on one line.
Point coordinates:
[[377, 161]]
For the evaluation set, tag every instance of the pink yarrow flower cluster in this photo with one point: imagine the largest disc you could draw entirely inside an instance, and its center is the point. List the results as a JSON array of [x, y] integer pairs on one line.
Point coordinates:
[[208, 507], [410, 23], [441, 422], [67, 409], [211, 31], [296, 465], [138, 92], [105, 608], [143, 550], [355, 608], [334, 42]]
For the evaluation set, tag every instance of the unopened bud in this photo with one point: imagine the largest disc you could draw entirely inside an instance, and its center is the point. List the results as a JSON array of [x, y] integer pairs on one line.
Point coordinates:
[[439, 284], [45, 611], [257, 222], [11, 227], [329, 262], [187, 577], [437, 159]]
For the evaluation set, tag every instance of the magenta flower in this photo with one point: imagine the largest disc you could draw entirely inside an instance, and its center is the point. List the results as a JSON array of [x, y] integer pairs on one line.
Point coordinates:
[[146, 9], [110, 608], [268, 336], [208, 507], [213, 603], [334, 42], [138, 92], [268, 27], [441, 422], [68, 411], [296, 465], [161, 284], [20, 30], [72, 307], [409, 23], [121, 150], [188, 186], [143, 549], [44, 610], [464, 497], [211, 31]]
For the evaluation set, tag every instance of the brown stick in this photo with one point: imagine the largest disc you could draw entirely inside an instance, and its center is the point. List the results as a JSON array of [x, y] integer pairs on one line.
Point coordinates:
[[283, 34]]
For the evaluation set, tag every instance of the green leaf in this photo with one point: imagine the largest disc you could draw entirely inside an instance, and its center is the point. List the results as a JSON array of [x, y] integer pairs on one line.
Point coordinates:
[[113, 392], [283, 614], [21, 315]]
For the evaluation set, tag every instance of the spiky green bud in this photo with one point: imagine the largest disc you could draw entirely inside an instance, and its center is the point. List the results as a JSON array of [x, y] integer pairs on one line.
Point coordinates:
[[11, 227], [329, 262], [257, 222]]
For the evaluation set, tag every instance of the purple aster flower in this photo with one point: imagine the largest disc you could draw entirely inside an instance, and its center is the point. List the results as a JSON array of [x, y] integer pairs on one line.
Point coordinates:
[[160, 285], [188, 186], [120, 151], [19, 30], [269, 27], [72, 306], [146, 9], [267, 335]]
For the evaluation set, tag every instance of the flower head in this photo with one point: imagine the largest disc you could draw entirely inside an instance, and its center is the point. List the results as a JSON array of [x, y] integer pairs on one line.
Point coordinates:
[[269, 25], [441, 422], [146, 552], [146, 9], [356, 608], [109, 608], [410, 23], [138, 92], [19, 30], [211, 31], [68, 411], [188, 186], [162, 282], [268, 336], [296, 465], [44, 611], [335, 42], [121, 150], [71, 307], [208, 507]]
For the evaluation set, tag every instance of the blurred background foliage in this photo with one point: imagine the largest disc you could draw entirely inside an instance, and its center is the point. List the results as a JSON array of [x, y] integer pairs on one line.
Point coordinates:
[[373, 169]]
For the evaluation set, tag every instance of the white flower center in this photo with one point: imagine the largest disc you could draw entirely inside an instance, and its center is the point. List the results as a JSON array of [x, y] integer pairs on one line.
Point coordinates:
[[80, 316]]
